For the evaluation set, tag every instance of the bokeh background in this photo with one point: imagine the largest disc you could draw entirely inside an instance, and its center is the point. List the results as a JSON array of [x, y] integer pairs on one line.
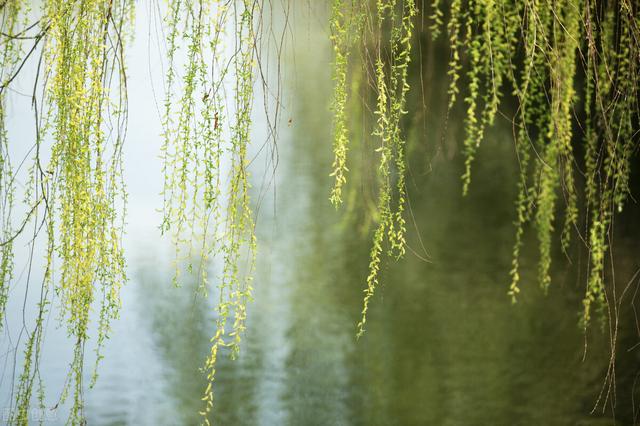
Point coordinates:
[[444, 345]]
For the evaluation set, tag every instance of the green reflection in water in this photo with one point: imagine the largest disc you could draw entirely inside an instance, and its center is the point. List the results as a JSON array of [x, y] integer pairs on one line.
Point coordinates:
[[178, 322], [444, 344]]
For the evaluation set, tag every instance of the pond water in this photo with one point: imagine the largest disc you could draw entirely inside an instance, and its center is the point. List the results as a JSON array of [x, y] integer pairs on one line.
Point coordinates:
[[444, 345]]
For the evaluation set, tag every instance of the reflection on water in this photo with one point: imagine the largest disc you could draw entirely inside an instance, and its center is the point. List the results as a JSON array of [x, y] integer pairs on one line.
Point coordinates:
[[444, 344]]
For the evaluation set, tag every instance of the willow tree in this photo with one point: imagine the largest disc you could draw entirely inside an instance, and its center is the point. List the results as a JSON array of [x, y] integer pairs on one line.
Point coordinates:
[[571, 66], [73, 197]]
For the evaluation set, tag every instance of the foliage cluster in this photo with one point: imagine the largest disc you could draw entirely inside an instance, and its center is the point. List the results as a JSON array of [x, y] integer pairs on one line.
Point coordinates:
[[74, 191], [571, 66]]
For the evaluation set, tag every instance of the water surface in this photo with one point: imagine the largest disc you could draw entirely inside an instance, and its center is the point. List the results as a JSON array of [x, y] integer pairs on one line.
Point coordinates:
[[444, 345]]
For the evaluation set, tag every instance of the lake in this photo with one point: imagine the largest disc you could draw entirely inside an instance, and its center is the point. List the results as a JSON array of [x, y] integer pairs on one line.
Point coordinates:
[[444, 344]]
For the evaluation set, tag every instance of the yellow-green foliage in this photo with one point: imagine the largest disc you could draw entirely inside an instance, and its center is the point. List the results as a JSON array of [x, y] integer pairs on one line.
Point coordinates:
[[77, 198], [340, 37], [10, 53], [86, 169], [554, 56], [568, 64], [393, 23], [206, 210]]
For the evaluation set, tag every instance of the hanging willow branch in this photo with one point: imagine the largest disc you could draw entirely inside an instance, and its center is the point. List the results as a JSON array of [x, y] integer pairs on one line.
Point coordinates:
[[10, 59], [396, 19], [207, 209], [77, 197], [553, 56]]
